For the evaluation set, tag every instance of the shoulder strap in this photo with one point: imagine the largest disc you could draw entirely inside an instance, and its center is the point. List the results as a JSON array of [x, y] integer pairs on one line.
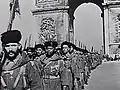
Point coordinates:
[[3, 82], [36, 67], [22, 71]]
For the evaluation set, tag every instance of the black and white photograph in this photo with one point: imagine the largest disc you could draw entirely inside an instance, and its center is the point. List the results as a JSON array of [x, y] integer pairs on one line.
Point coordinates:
[[59, 44]]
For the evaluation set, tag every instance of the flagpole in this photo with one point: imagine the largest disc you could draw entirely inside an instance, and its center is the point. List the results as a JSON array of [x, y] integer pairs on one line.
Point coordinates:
[[29, 41], [25, 44], [79, 43], [12, 16]]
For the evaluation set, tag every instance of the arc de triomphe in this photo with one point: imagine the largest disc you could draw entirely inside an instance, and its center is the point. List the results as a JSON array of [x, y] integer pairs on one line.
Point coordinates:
[[55, 21]]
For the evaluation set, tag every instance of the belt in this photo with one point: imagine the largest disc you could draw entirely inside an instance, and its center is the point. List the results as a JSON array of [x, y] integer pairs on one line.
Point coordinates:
[[50, 77]]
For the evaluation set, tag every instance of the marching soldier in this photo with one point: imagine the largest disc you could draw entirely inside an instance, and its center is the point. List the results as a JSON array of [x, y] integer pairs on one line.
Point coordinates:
[[87, 64], [13, 77], [53, 65], [34, 69], [77, 66], [39, 49], [81, 65], [30, 52], [68, 74]]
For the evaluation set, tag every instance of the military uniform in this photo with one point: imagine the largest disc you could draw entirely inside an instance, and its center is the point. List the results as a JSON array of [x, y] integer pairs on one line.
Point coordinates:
[[82, 69], [52, 69], [13, 70], [67, 73], [78, 68], [34, 74], [52, 65], [14, 78], [34, 69], [86, 69]]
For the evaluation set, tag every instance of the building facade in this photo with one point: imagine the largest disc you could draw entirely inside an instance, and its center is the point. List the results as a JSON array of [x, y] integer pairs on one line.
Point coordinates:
[[53, 20], [112, 26]]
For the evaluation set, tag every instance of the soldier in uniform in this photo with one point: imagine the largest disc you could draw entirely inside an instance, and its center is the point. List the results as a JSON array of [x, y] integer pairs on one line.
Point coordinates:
[[87, 65], [30, 52], [53, 65], [39, 49], [69, 72], [13, 74], [34, 69], [77, 66], [81, 66]]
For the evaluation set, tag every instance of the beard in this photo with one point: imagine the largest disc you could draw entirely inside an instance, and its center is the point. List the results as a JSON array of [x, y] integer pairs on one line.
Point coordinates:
[[15, 54]]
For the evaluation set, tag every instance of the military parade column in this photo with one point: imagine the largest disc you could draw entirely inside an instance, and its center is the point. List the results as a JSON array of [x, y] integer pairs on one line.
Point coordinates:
[[53, 20]]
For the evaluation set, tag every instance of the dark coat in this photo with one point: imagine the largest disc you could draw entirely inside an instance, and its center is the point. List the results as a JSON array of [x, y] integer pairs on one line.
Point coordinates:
[[11, 71]]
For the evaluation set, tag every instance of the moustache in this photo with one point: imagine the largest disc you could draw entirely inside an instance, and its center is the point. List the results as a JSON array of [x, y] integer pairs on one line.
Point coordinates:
[[11, 52]]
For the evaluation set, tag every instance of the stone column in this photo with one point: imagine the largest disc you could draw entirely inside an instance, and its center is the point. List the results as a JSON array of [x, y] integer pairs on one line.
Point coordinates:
[[106, 30]]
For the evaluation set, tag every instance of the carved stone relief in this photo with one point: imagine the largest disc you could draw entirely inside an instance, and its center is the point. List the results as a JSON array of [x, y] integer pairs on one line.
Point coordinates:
[[52, 26], [47, 29]]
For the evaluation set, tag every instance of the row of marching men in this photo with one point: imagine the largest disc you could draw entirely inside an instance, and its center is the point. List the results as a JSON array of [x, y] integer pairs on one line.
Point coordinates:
[[67, 67], [44, 67]]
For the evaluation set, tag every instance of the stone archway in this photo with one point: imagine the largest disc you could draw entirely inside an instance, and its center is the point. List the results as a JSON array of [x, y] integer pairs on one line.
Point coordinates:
[[59, 13], [74, 4], [88, 26]]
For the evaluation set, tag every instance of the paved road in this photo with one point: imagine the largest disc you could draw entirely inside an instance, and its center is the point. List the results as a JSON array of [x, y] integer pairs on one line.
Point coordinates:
[[105, 77]]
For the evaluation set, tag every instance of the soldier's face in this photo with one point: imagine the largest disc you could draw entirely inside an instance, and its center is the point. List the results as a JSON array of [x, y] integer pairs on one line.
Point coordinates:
[[29, 52], [65, 49], [11, 49], [50, 50], [39, 51]]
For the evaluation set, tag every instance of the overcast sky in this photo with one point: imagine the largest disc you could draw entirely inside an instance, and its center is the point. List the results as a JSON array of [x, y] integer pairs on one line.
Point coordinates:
[[88, 23]]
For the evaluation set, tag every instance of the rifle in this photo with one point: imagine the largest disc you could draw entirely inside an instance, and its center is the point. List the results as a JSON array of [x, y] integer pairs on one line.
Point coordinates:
[[25, 44], [2, 61]]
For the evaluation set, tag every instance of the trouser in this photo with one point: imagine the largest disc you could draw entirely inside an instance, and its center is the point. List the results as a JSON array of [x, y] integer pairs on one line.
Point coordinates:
[[67, 79], [52, 84], [78, 85]]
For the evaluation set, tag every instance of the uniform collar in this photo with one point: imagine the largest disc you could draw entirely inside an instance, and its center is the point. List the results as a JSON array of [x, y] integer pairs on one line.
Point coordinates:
[[15, 60]]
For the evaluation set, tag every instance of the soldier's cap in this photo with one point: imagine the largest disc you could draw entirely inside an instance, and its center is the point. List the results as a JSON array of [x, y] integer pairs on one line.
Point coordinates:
[[79, 49], [58, 48], [65, 43], [51, 43], [13, 36], [85, 51], [73, 45], [31, 49], [39, 46]]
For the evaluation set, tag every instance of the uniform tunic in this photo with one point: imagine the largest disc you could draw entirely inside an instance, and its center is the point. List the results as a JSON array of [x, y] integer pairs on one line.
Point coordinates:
[[34, 74], [71, 70], [52, 68], [9, 76], [79, 70]]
